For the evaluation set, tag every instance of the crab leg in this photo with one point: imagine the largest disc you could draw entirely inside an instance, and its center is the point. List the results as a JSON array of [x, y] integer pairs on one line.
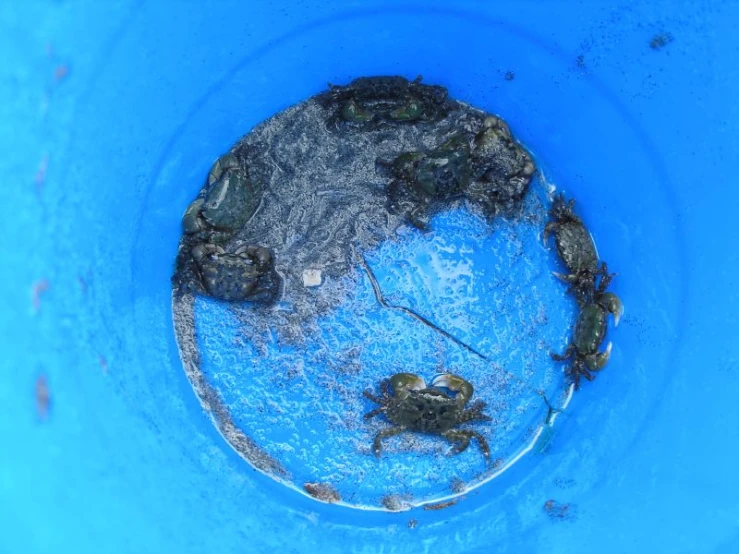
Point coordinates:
[[566, 356], [461, 438], [377, 443], [596, 362], [367, 394], [374, 412]]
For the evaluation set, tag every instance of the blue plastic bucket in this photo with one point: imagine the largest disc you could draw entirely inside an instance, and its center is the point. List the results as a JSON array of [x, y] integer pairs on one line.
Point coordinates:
[[111, 116]]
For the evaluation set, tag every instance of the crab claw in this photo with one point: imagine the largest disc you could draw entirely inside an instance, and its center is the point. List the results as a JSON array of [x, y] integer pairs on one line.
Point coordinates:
[[613, 304], [454, 383], [565, 278], [227, 161], [549, 228], [403, 383], [192, 222], [599, 360]]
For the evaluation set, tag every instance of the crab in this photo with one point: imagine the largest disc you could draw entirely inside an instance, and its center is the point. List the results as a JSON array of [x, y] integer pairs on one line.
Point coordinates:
[[576, 249], [423, 180], [438, 409], [227, 202], [489, 169], [503, 168], [391, 98], [242, 273], [590, 330]]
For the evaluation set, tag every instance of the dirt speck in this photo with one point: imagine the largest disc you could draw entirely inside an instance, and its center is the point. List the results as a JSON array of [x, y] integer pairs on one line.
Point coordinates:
[[560, 511], [37, 291], [396, 502], [660, 40], [43, 399], [61, 72], [323, 492], [456, 485], [441, 505]]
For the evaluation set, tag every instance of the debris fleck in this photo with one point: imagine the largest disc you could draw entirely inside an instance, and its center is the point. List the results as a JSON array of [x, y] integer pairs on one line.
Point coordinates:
[[457, 485], [441, 505], [660, 40], [395, 502], [42, 397], [323, 492], [312, 277], [559, 511], [61, 72], [39, 288]]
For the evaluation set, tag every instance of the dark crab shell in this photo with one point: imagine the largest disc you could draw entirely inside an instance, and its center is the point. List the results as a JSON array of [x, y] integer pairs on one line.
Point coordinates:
[[575, 247], [392, 98], [237, 277], [590, 329], [427, 411]]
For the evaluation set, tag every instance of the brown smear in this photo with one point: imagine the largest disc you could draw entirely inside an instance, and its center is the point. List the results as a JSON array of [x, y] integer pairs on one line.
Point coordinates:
[[441, 505], [559, 511], [660, 40], [42, 397], [61, 72], [39, 288], [323, 492]]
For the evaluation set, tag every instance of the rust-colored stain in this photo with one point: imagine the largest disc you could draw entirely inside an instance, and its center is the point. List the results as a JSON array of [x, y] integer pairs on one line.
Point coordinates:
[[323, 492], [61, 72], [441, 505], [42, 397], [39, 288]]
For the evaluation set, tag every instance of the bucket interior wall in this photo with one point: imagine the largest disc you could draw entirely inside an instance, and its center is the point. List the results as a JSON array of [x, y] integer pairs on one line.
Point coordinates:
[[111, 117]]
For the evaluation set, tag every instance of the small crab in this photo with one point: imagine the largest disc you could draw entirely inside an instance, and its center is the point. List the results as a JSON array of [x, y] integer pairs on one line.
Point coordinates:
[[576, 249], [489, 169], [503, 169], [393, 99], [414, 406], [422, 180], [227, 202], [242, 273], [590, 330]]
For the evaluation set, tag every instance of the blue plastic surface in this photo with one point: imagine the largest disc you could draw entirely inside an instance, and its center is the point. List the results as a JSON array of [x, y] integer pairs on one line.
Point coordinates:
[[110, 115]]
